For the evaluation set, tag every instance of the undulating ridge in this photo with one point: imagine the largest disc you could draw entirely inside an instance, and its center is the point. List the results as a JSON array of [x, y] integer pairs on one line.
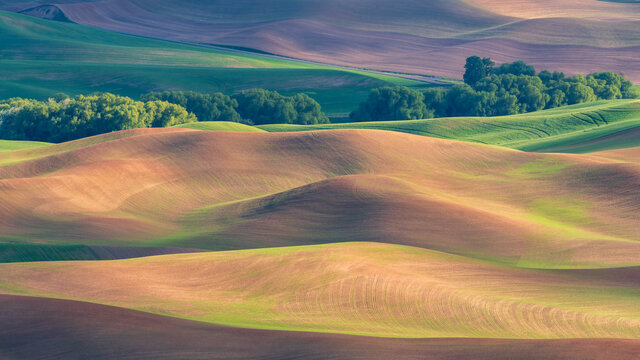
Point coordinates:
[[59, 329], [354, 288], [232, 190]]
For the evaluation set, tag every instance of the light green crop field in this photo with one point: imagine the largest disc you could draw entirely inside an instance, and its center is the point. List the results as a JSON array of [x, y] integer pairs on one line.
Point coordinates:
[[582, 128], [220, 126], [33, 65], [6, 145]]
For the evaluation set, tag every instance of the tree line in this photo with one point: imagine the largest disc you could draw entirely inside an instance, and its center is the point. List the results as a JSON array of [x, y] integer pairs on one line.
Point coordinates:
[[488, 90], [508, 89], [252, 107], [62, 118]]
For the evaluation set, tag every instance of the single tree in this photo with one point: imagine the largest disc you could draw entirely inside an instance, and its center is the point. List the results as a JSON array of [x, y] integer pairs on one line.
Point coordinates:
[[476, 69]]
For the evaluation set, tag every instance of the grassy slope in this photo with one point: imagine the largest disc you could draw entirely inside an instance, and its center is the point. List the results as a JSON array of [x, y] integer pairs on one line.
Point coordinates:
[[33, 252], [6, 145], [19, 252], [220, 126], [582, 128], [96, 60], [234, 190], [355, 288]]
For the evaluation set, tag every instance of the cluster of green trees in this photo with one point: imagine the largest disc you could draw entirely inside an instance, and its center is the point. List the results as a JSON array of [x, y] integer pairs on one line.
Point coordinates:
[[206, 107], [510, 88], [488, 90], [392, 103], [253, 107], [62, 118]]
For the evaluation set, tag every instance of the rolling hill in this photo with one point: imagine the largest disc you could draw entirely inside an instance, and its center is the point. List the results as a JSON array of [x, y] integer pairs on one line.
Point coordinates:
[[512, 237], [60, 329], [423, 37], [236, 190], [354, 288], [582, 128], [32, 65]]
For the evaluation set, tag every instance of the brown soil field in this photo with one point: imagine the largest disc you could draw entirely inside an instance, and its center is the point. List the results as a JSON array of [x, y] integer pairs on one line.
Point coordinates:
[[225, 190], [354, 288], [37, 328]]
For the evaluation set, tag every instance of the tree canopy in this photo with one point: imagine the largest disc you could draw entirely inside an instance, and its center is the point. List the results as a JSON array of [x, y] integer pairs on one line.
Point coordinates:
[[62, 118], [513, 88], [476, 69], [253, 107], [259, 106], [206, 107], [510, 88], [392, 103]]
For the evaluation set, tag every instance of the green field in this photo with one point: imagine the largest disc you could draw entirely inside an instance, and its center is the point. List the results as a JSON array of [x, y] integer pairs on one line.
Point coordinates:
[[10, 253], [6, 145], [32, 65], [220, 126], [596, 126]]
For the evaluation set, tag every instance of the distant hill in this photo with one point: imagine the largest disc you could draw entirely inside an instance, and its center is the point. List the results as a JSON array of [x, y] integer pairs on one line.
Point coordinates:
[[428, 37], [32, 65], [49, 12]]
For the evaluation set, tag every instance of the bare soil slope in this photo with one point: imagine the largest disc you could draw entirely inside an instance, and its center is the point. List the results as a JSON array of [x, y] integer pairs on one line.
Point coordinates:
[[354, 288], [37, 328], [225, 190], [531, 9]]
